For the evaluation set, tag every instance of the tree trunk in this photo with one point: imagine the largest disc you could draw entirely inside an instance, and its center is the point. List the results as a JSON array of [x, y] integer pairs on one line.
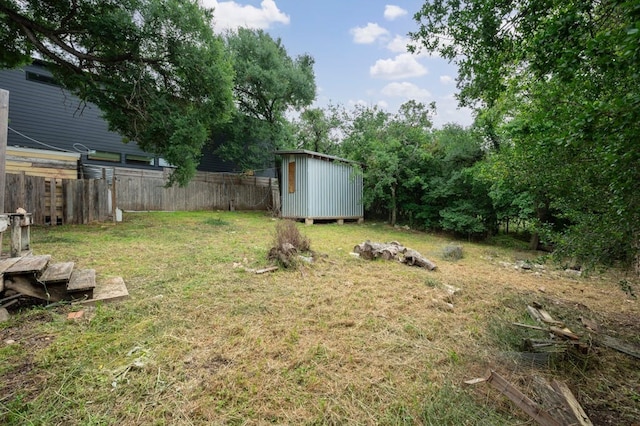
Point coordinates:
[[541, 214], [394, 208], [413, 258], [387, 251]]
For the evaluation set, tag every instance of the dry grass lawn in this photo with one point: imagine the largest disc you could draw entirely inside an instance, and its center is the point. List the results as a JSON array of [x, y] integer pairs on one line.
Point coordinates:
[[340, 341]]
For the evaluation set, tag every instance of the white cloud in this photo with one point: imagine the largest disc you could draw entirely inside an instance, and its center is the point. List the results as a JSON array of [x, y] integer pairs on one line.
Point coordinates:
[[399, 44], [402, 66], [368, 34], [405, 90], [446, 79], [392, 12], [230, 15]]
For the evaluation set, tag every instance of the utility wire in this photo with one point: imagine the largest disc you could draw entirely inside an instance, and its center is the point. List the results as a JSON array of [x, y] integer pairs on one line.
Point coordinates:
[[81, 148]]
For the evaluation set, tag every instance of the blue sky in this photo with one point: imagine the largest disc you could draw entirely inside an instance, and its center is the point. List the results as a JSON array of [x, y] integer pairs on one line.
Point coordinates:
[[359, 47]]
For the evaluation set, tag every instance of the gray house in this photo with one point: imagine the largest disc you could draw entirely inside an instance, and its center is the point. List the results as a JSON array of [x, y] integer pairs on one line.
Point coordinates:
[[44, 116], [316, 186]]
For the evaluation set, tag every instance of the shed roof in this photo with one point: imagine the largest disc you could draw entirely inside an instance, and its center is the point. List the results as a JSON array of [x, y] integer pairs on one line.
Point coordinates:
[[314, 154]]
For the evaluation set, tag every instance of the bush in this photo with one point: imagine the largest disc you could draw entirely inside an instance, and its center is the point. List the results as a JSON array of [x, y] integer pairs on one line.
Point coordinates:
[[452, 252], [288, 242]]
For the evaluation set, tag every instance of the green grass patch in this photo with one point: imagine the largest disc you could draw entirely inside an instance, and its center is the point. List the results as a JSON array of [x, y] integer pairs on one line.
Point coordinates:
[[342, 340]]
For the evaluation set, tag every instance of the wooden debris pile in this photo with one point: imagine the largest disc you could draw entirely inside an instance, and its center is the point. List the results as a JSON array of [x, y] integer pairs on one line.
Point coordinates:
[[555, 405], [562, 338], [393, 251], [559, 407]]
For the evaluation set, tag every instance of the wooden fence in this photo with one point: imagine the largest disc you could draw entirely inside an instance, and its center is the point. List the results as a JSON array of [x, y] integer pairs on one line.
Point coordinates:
[[141, 190], [57, 201], [80, 201]]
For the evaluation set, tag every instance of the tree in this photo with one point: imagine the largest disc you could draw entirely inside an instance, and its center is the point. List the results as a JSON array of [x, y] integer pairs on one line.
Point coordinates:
[[318, 130], [154, 67], [557, 87], [391, 147], [454, 197], [268, 82]]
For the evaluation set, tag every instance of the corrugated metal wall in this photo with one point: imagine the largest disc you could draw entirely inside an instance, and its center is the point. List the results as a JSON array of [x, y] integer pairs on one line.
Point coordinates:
[[295, 204], [323, 189]]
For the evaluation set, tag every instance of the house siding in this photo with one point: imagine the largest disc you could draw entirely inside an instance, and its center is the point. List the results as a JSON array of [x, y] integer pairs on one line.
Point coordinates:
[[47, 113]]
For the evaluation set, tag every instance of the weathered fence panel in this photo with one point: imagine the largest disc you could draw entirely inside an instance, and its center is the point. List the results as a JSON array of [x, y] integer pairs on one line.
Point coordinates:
[[58, 201], [86, 200], [80, 201], [27, 192], [207, 191]]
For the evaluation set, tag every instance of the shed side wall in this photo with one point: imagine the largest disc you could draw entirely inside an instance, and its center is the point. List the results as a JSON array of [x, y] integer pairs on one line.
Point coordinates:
[[335, 190]]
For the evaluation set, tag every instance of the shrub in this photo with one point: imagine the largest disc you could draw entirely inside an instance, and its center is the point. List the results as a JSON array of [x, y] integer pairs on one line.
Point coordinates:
[[288, 242], [452, 252]]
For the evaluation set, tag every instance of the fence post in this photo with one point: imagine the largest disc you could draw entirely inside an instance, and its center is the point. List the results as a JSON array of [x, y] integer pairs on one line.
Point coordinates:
[[22, 197], [4, 124], [113, 196], [52, 208]]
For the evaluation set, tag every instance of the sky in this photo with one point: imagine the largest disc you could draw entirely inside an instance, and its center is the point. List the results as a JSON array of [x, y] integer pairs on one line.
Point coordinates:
[[359, 47]]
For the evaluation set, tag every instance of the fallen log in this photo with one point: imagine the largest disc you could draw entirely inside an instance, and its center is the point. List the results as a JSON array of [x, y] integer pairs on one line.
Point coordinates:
[[393, 251], [387, 251], [413, 258]]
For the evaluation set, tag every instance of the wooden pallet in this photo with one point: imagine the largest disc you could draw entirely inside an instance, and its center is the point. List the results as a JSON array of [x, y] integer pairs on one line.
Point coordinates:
[[34, 276]]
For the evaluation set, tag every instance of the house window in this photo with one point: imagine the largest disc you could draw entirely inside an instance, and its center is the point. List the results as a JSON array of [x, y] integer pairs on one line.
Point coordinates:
[[140, 160], [164, 163], [113, 157], [41, 78], [292, 177]]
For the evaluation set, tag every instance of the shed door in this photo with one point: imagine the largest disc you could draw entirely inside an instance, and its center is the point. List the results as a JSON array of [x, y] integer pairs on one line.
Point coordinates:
[[292, 177]]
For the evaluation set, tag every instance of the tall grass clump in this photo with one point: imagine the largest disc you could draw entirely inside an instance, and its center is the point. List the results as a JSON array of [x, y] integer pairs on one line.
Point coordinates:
[[287, 244]]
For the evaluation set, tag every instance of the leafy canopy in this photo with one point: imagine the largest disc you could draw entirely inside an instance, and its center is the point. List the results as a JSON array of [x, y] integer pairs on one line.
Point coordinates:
[[557, 91], [268, 83], [391, 149], [154, 67]]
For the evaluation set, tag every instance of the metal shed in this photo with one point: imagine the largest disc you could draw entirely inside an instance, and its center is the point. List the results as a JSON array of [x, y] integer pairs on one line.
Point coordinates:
[[320, 187]]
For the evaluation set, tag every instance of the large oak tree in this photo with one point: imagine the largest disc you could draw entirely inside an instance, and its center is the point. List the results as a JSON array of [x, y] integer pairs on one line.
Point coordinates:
[[268, 83], [155, 68]]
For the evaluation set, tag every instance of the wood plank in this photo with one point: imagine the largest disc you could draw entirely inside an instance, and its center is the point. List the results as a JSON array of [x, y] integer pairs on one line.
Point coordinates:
[[24, 285], [107, 290], [29, 265], [547, 318], [265, 270], [525, 403], [564, 332], [57, 272], [534, 314], [553, 402], [41, 153], [7, 263], [521, 400], [82, 279], [619, 345], [571, 403]]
